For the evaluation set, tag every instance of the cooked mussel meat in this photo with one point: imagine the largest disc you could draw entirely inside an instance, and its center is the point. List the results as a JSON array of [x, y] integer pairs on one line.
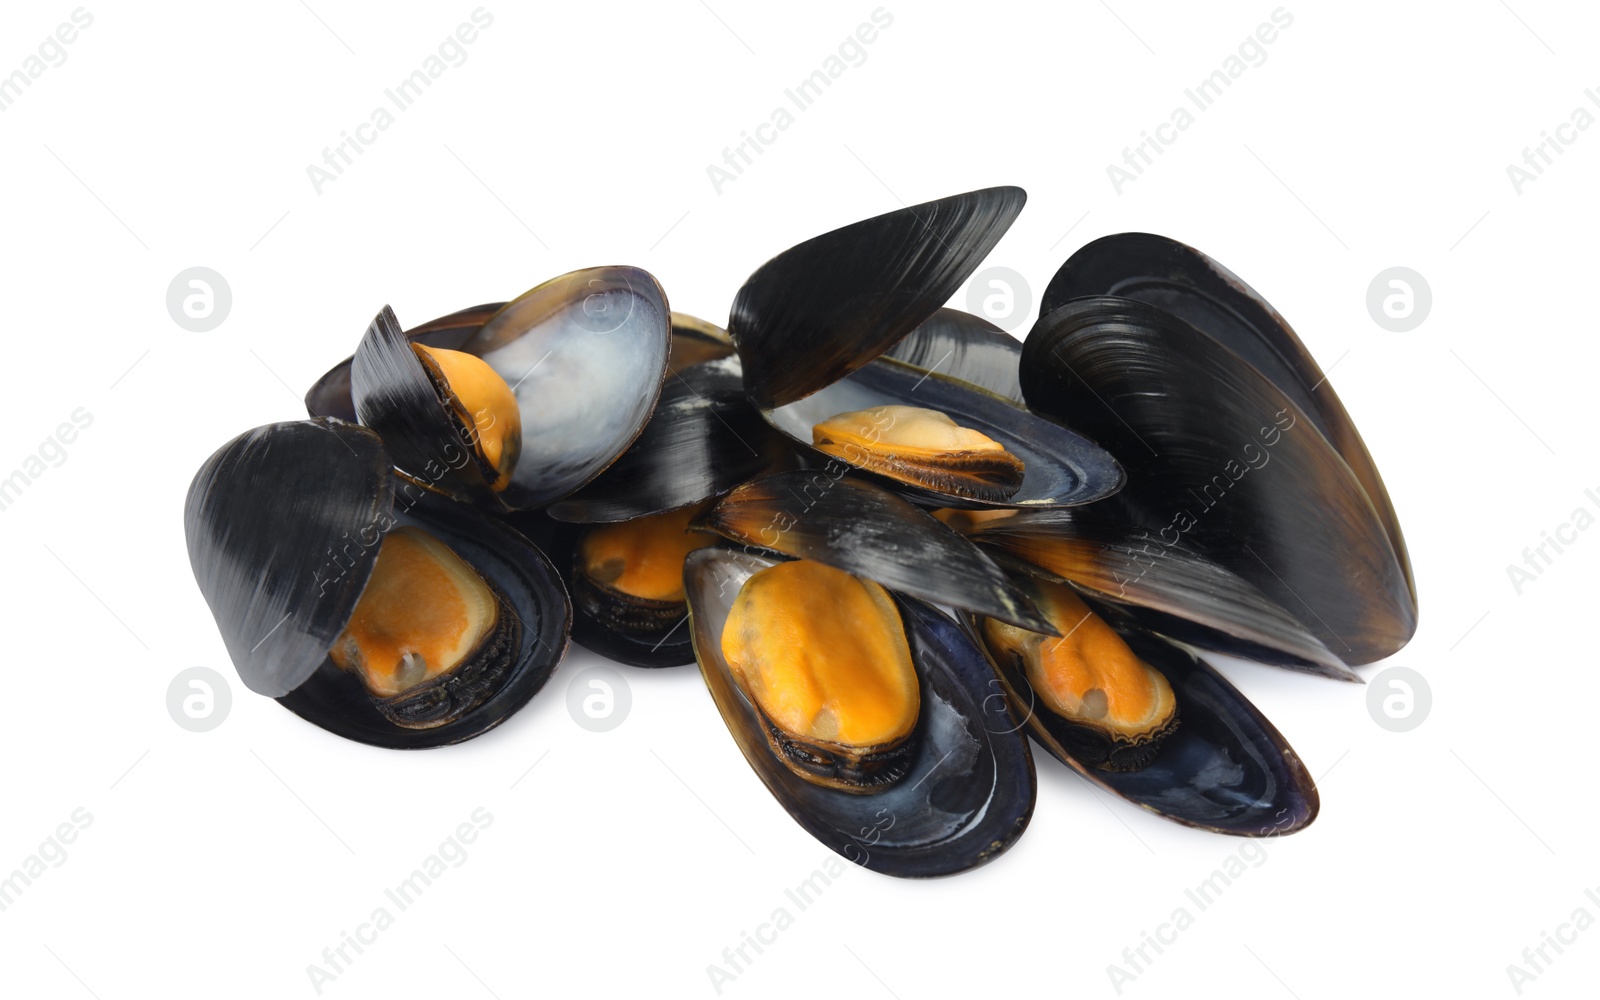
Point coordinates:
[[430, 639], [482, 406], [628, 576], [921, 447], [823, 657], [1119, 707]]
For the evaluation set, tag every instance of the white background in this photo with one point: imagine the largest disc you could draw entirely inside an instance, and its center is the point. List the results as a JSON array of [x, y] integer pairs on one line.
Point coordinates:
[[223, 863]]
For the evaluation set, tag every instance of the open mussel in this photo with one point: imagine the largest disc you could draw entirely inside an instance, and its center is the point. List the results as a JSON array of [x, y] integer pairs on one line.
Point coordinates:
[[1147, 720], [373, 608], [811, 324], [529, 405], [953, 794]]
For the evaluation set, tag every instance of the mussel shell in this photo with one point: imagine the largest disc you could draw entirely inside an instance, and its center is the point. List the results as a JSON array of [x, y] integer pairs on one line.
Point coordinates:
[[1190, 285], [1061, 468], [1185, 415], [330, 395], [395, 396], [531, 589], [1166, 586], [824, 308], [695, 341], [958, 345], [857, 527], [283, 525], [585, 355], [1224, 767], [704, 438], [592, 627], [970, 791]]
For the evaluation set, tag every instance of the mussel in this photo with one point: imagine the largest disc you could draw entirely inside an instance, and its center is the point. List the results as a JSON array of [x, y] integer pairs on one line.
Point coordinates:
[[812, 323], [374, 608], [1234, 441], [967, 789]]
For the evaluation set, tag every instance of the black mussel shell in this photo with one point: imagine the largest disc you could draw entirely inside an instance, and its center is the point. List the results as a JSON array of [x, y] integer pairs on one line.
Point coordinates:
[[1163, 584], [970, 787], [1061, 468], [822, 309], [704, 438], [958, 345], [395, 395], [850, 524], [1212, 299], [283, 525], [1217, 453], [330, 396], [530, 590]]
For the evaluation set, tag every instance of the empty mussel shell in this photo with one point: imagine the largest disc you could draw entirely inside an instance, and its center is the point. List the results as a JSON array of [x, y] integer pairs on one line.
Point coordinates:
[[970, 789], [1220, 456], [850, 524], [1212, 299], [284, 527]]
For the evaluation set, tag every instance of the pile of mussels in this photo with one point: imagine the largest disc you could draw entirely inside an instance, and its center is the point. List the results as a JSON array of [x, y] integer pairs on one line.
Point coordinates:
[[896, 540]]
